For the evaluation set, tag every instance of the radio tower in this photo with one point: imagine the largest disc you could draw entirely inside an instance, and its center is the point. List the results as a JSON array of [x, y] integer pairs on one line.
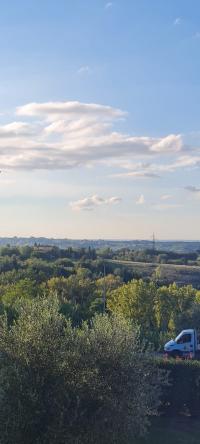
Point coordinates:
[[153, 242], [104, 289]]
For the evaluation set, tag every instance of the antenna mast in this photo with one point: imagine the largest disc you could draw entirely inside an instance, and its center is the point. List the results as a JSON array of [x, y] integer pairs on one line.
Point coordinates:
[[104, 288], [153, 242]]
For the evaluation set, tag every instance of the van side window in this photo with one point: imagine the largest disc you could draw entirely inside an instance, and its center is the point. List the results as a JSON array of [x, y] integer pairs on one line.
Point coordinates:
[[184, 339]]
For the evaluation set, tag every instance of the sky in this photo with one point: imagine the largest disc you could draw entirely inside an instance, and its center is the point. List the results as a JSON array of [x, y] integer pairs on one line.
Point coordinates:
[[100, 119]]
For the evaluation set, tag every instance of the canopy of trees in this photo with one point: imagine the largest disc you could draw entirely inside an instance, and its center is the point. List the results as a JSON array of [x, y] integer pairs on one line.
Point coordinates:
[[62, 384], [72, 368]]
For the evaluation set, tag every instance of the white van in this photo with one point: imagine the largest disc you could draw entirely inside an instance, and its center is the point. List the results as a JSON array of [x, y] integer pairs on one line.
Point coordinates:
[[186, 345]]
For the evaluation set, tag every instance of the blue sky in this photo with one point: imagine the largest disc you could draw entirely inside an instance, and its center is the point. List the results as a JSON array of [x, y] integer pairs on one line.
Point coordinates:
[[99, 118]]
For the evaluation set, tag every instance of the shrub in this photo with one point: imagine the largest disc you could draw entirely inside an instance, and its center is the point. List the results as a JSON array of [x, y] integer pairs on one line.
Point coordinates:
[[60, 384], [183, 393]]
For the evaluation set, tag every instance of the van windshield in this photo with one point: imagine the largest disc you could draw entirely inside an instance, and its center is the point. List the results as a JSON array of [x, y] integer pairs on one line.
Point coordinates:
[[178, 337], [183, 338]]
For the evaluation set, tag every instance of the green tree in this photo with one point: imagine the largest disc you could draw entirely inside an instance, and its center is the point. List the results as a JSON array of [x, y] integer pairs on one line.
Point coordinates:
[[61, 384], [136, 301], [104, 286], [13, 295], [75, 294], [182, 300]]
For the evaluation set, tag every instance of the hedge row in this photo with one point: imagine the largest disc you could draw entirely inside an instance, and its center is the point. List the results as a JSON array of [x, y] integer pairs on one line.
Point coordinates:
[[183, 392]]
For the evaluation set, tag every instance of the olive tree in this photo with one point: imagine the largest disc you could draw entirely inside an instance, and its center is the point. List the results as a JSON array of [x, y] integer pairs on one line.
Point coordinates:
[[59, 384]]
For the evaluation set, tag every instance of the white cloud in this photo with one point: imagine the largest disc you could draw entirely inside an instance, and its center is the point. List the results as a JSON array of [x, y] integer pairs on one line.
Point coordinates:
[[140, 200], [166, 196], [85, 69], [61, 135], [154, 170], [69, 110], [16, 129], [113, 200], [171, 143], [178, 21], [185, 162], [89, 203], [137, 175], [108, 5]]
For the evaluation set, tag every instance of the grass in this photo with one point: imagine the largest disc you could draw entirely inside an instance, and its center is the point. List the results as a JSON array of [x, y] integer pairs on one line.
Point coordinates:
[[173, 431], [182, 274]]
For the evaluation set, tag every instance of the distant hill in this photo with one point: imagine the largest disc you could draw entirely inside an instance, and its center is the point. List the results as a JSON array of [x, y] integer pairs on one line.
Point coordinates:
[[178, 246]]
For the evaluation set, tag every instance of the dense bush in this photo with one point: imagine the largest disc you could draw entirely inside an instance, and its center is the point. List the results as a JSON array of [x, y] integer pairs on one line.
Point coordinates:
[[60, 384], [183, 393]]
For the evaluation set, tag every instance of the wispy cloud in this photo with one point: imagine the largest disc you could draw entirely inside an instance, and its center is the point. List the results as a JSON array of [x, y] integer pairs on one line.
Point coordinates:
[[137, 175], [140, 200], [178, 21], [192, 189], [166, 196], [155, 170], [90, 203], [108, 5], [85, 69]]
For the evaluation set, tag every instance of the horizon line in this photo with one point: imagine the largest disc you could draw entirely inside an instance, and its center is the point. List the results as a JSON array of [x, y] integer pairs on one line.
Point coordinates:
[[98, 239]]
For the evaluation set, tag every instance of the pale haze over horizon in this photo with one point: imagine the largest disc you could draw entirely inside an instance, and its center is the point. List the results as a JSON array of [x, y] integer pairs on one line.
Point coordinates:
[[100, 119]]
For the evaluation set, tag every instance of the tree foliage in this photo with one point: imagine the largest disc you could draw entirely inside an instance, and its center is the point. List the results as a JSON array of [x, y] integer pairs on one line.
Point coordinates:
[[160, 311], [61, 384]]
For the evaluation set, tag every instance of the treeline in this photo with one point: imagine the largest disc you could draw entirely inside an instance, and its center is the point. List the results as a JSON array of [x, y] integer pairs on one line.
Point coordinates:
[[80, 284], [53, 253], [43, 262], [155, 256], [47, 252], [160, 311]]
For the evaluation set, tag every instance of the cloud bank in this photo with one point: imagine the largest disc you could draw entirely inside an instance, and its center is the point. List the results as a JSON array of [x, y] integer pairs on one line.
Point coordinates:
[[61, 135]]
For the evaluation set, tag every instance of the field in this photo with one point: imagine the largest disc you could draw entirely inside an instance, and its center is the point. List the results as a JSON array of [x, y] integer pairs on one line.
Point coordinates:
[[173, 431], [168, 273]]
